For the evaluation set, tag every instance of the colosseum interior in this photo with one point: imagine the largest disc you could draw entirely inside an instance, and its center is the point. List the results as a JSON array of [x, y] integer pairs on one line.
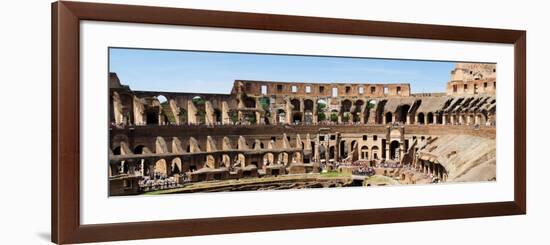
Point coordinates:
[[266, 135]]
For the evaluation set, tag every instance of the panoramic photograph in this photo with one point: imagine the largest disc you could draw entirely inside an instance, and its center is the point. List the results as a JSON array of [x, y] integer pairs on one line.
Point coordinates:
[[203, 121]]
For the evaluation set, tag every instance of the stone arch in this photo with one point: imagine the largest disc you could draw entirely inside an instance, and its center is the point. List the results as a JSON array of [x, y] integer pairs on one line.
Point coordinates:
[[343, 149], [394, 150], [281, 116], [365, 152], [346, 106], [239, 161], [117, 150], [249, 102], [375, 154], [176, 167], [160, 169], [152, 116], [268, 159], [297, 158], [282, 158], [140, 149], [162, 99], [217, 115], [389, 117], [438, 118], [297, 117], [322, 152], [402, 113], [308, 105], [430, 118], [332, 152], [421, 118], [481, 119], [295, 104]]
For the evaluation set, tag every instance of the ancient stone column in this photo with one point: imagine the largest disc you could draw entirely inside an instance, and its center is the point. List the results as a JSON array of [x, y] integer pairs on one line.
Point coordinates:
[[444, 119], [402, 150], [288, 111], [225, 113], [388, 150], [434, 119], [210, 119], [383, 118], [315, 117], [191, 113], [258, 114], [302, 111], [416, 119], [408, 119]]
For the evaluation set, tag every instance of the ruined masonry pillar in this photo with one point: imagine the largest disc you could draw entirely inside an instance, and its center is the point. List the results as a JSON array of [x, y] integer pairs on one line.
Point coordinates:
[[302, 111], [315, 117], [444, 119], [408, 119], [258, 114], [434, 119], [416, 119]]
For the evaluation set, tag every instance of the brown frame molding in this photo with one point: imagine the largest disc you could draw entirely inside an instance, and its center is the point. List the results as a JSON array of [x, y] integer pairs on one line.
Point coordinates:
[[66, 227]]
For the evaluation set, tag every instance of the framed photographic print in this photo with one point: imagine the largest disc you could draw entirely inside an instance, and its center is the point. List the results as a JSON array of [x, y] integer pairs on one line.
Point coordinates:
[[177, 122]]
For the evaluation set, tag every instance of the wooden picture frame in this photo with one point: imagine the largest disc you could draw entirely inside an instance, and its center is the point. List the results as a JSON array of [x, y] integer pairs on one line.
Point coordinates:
[[65, 175]]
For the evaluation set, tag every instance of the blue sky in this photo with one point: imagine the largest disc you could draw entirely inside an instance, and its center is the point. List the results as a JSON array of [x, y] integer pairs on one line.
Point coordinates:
[[214, 72]]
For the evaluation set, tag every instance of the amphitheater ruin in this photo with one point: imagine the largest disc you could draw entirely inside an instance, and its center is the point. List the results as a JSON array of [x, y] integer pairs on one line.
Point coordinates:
[[281, 135]]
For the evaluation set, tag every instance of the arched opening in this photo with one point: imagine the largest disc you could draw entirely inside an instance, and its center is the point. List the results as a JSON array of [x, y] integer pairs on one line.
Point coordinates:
[[176, 166], [127, 108], [308, 105], [308, 109], [430, 118], [249, 102], [394, 150], [297, 117], [421, 119], [295, 104], [218, 115], [365, 152], [268, 159], [401, 114], [152, 116], [282, 158], [140, 149], [343, 149], [346, 106], [331, 152], [160, 170], [297, 158], [321, 109], [359, 105], [322, 153], [375, 153], [239, 160], [470, 119], [162, 99], [356, 115], [281, 116], [389, 117], [438, 118], [116, 151], [199, 103]]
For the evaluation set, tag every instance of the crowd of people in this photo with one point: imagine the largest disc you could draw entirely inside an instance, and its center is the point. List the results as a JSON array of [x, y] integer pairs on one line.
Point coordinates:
[[158, 183]]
